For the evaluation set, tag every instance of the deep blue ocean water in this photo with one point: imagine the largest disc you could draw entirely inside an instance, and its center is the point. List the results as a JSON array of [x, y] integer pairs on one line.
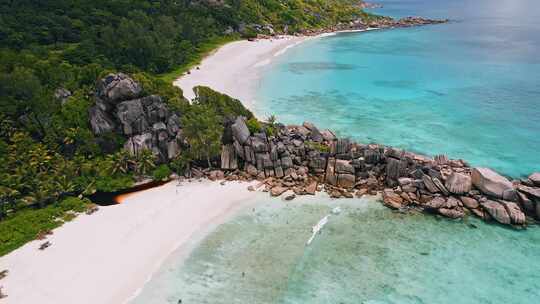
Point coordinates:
[[469, 88]]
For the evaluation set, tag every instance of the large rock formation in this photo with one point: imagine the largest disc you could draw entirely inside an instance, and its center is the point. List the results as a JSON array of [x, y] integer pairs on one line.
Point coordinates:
[[440, 185], [146, 121], [304, 160], [490, 182], [458, 183]]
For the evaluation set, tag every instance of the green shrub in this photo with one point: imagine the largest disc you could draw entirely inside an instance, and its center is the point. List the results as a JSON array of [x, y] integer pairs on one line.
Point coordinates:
[[27, 224], [162, 172], [117, 182], [223, 105], [253, 125], [317, 146]]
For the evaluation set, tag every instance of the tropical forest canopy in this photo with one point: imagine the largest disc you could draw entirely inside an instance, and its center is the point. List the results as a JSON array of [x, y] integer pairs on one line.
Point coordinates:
[[47, 150]]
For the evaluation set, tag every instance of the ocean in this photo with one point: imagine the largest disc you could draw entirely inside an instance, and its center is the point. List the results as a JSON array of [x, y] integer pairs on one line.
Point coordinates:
[[367, 254], [468, 88]]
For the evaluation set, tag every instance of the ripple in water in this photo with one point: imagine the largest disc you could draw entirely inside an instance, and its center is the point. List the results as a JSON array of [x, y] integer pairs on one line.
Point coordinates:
[[366, 254]]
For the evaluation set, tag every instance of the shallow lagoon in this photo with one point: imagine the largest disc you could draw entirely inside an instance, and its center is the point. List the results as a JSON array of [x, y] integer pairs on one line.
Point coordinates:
[[469, 88], [366, 254]]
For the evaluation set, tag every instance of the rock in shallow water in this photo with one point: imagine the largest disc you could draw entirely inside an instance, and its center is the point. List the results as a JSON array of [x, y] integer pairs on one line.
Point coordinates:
[[490, 182], [497, 211], [458, 183], [535, 178], [392, 199]]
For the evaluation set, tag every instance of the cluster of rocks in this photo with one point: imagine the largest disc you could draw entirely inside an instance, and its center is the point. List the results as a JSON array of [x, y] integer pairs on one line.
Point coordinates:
[[146, 122], [305, 160], [379, 23]]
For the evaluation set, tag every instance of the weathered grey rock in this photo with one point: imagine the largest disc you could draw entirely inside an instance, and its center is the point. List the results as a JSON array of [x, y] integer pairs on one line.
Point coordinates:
[[342, 146], [440, 185], [328, 135], [530, 191], [251, 170], [372, 156], [100, 121], [452, 202], [458, 183], [403, 181], [277, 190], [392, 199], [135, 145], [392, 169], [344, 166], [173, 124], [428, 183], [527, 205], [315, 134], [239, 149], [436, 203], [497, 211], [452, 213], [159, 126], [469, 202], [330, 176], [517, 216], [240, 130], [155, 109], [132, 117], [490, 182], [317, 164], [346, 180], [258, 144], [510, 195], [118, 87], [279, 171], [173, 149], [441, 159], [309, 125], [228, 158], [286, 162], [311, 188], [409, 188], [249, 155], [535, 178]]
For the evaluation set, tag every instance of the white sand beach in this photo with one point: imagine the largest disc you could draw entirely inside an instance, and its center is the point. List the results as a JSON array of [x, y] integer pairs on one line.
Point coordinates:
[[234, 69], [108, 256]]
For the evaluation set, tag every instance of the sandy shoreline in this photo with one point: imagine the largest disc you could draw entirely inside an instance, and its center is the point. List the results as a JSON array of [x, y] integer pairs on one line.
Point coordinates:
[[107, 257], [234, 68]]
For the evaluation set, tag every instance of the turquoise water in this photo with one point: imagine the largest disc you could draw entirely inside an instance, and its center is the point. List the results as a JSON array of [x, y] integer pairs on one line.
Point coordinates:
[[469, 88], [367, 254]]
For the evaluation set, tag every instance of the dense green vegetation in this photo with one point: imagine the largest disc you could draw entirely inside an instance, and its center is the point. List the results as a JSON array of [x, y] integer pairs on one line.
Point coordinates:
[[48, 152], [30, 224]]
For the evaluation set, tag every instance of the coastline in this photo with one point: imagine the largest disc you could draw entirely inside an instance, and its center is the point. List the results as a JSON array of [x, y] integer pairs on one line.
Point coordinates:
[[235, 68], [103, 250]]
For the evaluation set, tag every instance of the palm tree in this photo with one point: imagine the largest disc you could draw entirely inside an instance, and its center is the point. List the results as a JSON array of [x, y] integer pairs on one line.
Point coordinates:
[[145, 162]]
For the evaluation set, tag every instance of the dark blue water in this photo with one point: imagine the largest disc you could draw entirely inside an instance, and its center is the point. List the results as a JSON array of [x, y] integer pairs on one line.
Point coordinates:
[[469, 88]]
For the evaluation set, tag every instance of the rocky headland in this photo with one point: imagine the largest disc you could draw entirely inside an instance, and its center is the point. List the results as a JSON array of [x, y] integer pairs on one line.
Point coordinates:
[[304, 160]]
